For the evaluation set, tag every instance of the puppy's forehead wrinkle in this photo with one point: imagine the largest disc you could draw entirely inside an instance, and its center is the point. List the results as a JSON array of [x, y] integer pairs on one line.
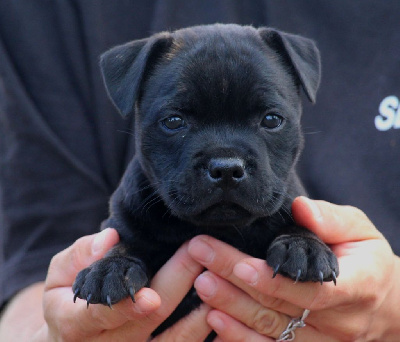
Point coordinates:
[[219, 45], [222, 74], [230, 86]]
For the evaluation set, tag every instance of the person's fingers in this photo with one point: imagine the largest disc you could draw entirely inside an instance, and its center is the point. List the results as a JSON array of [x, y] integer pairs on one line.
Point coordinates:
[[222, 295], [231, 330], [192, 327], [357, 243], [75, 322], [169, 287], [333, 223], [358, 262], [304, 295], [65, 265], [68, 318], [364, 251], [148, 312], [173, 281], [222, 259]]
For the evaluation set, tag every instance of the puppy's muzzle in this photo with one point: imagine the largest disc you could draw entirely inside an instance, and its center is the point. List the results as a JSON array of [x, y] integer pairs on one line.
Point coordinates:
[[226, 173]]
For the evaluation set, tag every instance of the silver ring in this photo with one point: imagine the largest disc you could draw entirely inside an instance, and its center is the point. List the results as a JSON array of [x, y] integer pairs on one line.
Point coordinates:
[[288, 334]]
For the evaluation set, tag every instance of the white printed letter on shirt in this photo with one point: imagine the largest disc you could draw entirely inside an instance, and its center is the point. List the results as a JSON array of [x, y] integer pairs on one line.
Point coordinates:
[[389, 111]]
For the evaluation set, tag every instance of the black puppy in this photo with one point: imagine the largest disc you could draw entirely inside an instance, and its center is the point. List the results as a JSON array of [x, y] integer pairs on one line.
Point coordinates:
[[217, 135]]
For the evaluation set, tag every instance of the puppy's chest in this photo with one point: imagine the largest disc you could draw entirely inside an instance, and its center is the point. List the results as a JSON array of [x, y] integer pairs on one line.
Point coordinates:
[[253, 240]]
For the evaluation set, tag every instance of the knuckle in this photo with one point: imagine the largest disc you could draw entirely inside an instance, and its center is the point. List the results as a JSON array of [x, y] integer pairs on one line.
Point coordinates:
[[268, 301], [64, 331], [266, 322], [76, 253], [54, 263], [323, 298], [275, 287], [370, 300], [352, 331], [226, 270], [156, 317], [188, 265], [97, 316], [222, 266], [357, 213], [79, 253]]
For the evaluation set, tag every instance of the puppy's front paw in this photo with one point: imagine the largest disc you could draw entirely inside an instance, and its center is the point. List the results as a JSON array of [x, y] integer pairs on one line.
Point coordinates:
[[302, 259], [109, 280]]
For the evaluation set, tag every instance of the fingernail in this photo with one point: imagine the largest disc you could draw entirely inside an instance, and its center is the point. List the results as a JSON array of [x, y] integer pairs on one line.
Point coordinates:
[[246, 272], [145, 303], [201, 251], [98, 241], [316, 212], [205, 285]]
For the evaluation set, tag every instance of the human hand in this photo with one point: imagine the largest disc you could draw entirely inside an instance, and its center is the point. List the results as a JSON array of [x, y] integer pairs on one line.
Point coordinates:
[[127, 321], [251, 306]]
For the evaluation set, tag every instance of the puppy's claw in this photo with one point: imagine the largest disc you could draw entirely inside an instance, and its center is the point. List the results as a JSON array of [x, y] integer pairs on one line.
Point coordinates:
[[276, 269], [132, 294], [298, 276], [321, 277], [76, 293], [88, 300], [109, 302], [334, 277]]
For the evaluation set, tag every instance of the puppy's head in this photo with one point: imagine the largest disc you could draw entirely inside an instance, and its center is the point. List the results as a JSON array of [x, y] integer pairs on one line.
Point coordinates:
[[217, 115]]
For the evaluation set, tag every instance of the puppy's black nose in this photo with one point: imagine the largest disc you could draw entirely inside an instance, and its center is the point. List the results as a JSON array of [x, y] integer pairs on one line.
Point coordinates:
[[226, 171]]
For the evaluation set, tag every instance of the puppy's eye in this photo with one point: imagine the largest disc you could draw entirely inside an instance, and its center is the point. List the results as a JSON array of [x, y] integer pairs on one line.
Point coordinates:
[[272, 121], [174, 122]]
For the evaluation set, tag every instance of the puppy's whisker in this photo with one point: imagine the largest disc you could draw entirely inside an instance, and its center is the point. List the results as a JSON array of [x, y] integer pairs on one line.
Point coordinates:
[[280, 214], [145, 188], [175, 199], [126, 132], [142, 188], [309, 131], [167, 211], [153, 204], [240, 233], [149, 197], [148, 201], [287, 211]]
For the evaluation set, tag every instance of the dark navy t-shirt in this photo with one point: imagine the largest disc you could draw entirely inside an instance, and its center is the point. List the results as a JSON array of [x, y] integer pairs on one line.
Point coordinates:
[[352, 150], [63, 147]]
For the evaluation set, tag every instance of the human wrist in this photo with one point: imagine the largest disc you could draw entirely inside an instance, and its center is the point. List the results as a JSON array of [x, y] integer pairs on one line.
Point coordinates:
[[26, 306], [388, 315]]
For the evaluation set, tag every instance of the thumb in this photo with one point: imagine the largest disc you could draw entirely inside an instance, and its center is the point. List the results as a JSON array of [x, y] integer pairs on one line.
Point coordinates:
[[333, 223], [65, 265]]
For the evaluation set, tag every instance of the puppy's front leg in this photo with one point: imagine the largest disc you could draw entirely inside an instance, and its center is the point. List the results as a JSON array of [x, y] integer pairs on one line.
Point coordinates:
[[300, 255], [111, 279]]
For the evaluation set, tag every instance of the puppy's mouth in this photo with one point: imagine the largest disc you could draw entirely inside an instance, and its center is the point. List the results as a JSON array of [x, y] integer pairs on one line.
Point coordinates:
[[223, 214]]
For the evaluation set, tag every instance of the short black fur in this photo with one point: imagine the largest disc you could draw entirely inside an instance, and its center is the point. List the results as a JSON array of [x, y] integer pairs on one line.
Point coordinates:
[[224, 167]]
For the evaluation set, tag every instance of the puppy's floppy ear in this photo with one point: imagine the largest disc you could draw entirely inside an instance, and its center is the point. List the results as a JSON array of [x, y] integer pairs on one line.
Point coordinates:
[[124, 68], [301, 53]]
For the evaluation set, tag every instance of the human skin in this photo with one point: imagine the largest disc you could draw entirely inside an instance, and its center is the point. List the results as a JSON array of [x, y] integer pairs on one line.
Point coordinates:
[[62, 320], [249, 305]]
